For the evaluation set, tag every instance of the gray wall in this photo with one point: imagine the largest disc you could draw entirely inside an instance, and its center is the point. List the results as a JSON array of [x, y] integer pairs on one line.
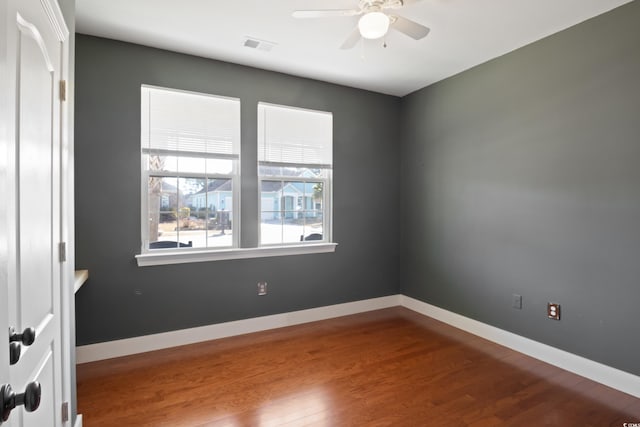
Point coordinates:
[[518, 176], [122, 300], [522, 176]]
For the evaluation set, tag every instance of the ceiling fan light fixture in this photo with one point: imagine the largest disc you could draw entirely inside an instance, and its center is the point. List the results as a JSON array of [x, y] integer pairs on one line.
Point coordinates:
[[373, 25]]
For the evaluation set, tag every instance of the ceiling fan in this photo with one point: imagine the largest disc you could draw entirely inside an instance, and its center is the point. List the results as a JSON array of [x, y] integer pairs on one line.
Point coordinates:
[[374, 22]]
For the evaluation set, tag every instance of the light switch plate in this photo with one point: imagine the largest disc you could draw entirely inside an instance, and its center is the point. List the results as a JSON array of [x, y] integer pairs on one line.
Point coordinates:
[[517, 301]]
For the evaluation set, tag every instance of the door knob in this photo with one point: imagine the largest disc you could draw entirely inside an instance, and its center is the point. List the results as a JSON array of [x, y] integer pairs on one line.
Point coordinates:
[[27, 337], [14, 353], [30, 399]]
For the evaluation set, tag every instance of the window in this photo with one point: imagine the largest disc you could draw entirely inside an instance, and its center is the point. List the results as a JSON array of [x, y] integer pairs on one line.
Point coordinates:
[[190, 150], [295, 152], [190, 146]]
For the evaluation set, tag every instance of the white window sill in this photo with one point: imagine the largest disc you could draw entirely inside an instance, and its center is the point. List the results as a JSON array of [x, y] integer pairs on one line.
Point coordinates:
[[187, 256]]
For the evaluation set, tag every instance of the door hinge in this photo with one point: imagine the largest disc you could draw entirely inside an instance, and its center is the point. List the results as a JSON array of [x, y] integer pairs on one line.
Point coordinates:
[[63, 90], [65, 412], [63, 251]]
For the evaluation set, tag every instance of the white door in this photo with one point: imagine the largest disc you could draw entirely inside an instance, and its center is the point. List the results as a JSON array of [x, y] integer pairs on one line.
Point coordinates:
[[34, 32]]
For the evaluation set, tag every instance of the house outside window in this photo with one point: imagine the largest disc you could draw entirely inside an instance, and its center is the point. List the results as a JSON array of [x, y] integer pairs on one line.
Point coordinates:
[[295, 156], [190, 146]]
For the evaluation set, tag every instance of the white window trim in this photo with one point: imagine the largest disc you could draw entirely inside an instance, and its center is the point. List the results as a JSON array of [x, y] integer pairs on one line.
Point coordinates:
[[162, 257], [235, 184], [327, 221], [190, 255], [327, 182], [235, 178]]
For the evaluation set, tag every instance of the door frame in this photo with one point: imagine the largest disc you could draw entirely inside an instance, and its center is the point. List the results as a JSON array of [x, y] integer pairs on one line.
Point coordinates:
[[67, 270]]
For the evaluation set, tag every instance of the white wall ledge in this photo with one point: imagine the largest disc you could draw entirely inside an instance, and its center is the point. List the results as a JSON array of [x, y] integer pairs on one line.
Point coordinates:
[[79, 278], [162, 257]]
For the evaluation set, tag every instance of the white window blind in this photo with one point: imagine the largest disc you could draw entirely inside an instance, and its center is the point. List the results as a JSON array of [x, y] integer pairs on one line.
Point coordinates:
[[190, 123], [292, 136]]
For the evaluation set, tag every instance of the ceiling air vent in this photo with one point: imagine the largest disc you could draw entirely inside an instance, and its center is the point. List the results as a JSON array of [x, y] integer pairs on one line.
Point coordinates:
[[254, 43]]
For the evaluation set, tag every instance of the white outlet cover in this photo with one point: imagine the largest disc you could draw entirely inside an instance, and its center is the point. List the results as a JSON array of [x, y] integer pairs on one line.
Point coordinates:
[[262, 288]]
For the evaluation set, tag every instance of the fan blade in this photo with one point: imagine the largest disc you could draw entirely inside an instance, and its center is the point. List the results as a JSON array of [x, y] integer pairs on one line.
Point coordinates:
[[392, 4], [409, 27], [351, 41], [327, 13], [396, 4]]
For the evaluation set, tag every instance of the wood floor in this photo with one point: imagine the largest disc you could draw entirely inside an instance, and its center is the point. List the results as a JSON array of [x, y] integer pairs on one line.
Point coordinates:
[[390, 367]]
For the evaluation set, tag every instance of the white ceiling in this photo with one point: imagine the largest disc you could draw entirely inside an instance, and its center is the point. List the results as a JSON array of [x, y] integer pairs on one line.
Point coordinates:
[[464, 33]]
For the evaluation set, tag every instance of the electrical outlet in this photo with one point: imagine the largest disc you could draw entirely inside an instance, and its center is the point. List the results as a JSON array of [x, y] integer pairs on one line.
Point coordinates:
[[262, 288], [517, 301], [553, 310]]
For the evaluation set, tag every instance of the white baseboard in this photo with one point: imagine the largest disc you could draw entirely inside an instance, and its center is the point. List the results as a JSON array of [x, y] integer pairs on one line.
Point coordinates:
[[595, 371], [78, 422], [129, 346]]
